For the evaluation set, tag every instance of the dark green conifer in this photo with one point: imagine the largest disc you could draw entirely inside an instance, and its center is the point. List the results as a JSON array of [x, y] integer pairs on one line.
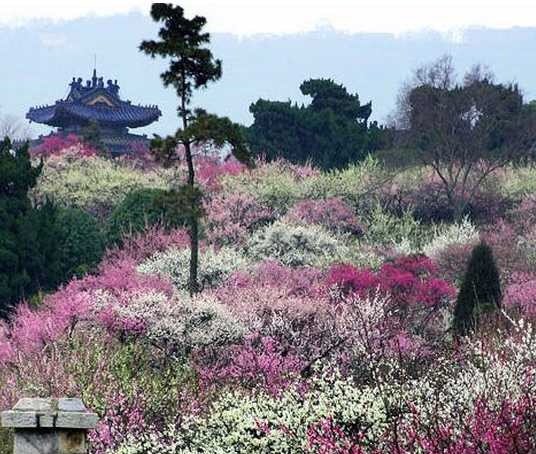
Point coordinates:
[[480, 292], [17, 177]]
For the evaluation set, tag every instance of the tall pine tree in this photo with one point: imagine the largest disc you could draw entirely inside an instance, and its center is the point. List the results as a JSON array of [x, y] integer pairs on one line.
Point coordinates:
[[191, 67]]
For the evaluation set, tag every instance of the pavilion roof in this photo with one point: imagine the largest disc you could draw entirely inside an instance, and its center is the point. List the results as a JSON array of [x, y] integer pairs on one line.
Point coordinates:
[[94, 102]]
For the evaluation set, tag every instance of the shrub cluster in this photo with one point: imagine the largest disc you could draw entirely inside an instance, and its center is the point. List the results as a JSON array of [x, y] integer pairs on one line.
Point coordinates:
[[325, 319]]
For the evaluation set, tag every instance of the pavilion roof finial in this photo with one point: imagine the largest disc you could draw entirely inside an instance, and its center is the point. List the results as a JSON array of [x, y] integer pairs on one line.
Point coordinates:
[[94, 78]]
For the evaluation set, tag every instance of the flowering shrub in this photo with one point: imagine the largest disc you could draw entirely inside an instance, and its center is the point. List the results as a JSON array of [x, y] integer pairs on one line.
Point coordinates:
[[210, 170], [511, 251], [417, 296], [524, 215], [123, 418], [403, 234], [139, 246], [391, 413], [452, 262], [260, 362], [231, 218], [520, 295], [58, 144], [461, 233], [305, 338], [295, 245], [93, 184], [31, 330], [272, 274], [275, 185], [518, 182], [333, 214], [358, 185], [214, 266], [263, 423], [177, 325]]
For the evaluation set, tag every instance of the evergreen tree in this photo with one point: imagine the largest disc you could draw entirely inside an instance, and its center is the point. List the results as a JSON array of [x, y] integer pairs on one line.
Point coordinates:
[[331, 132], [191, 67], [80, 243], [17, 177], [480, 292]]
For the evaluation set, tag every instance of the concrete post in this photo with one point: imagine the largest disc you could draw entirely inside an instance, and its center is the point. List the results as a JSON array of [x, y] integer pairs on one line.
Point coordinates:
[[49, 426]]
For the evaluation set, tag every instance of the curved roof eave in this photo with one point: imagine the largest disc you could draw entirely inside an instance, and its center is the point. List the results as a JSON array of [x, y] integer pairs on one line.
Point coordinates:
[[63, 113]]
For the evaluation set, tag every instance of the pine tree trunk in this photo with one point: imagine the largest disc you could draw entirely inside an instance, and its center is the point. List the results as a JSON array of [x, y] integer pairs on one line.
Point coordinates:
[[193, 285]]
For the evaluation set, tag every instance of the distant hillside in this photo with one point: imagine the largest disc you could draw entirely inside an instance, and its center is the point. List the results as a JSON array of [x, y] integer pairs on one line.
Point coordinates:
[[43, 57]]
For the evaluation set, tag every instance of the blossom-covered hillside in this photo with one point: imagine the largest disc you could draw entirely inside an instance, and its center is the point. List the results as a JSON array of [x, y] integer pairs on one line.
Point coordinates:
[[324, 324]]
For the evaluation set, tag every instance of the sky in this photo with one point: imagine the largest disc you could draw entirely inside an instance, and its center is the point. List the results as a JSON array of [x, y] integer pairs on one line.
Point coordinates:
[[268, 49], [246, 17]]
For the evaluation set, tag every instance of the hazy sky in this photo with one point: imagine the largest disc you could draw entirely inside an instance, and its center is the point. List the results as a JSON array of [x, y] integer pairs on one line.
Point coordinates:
[[246, 17], [299, 39]]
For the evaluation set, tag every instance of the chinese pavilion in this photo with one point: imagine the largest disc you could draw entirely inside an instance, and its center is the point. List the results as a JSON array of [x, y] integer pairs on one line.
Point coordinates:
[[96, 103]]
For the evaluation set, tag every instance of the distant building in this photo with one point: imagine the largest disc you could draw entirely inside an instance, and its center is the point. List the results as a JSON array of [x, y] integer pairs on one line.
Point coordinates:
[[100, 104]]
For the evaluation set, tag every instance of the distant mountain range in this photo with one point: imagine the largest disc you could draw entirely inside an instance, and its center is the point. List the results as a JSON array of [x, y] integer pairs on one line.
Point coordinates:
[[40, 59]]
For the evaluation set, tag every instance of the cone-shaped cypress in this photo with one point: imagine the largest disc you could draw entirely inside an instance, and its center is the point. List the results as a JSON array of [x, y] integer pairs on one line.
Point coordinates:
[[480, 292]]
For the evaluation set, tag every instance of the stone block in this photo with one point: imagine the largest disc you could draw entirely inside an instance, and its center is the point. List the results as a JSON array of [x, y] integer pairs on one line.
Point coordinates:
[[72, 442], [19, 419], [76, 420], [47, 420], [50, 442], [49, 426], [32, 442], [36, 404], [71, 404]]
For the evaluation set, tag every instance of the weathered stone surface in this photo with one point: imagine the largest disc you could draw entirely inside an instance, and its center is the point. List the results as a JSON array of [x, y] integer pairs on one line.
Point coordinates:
[[50, 426], [31, 442], [47, 420], [22, 419], [61, 413], [74, 420], [70, 404], [50, 442], [37, 404], [72, 442]]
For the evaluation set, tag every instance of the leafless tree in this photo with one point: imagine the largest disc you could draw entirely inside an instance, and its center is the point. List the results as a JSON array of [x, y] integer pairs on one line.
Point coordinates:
[[467, 132], [14, 128], [478, 73], [439, 74]]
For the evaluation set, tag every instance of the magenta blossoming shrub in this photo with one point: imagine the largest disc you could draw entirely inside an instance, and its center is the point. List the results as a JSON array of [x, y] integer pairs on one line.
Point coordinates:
[[259, 362], [303, 281], [520, 295], [332, 213], [124, 417], [508, 429], [58, 144], [504, 430], [417, 299], [32, 329], [409, 281], [326, 437], [210, 170], [139, 246]]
